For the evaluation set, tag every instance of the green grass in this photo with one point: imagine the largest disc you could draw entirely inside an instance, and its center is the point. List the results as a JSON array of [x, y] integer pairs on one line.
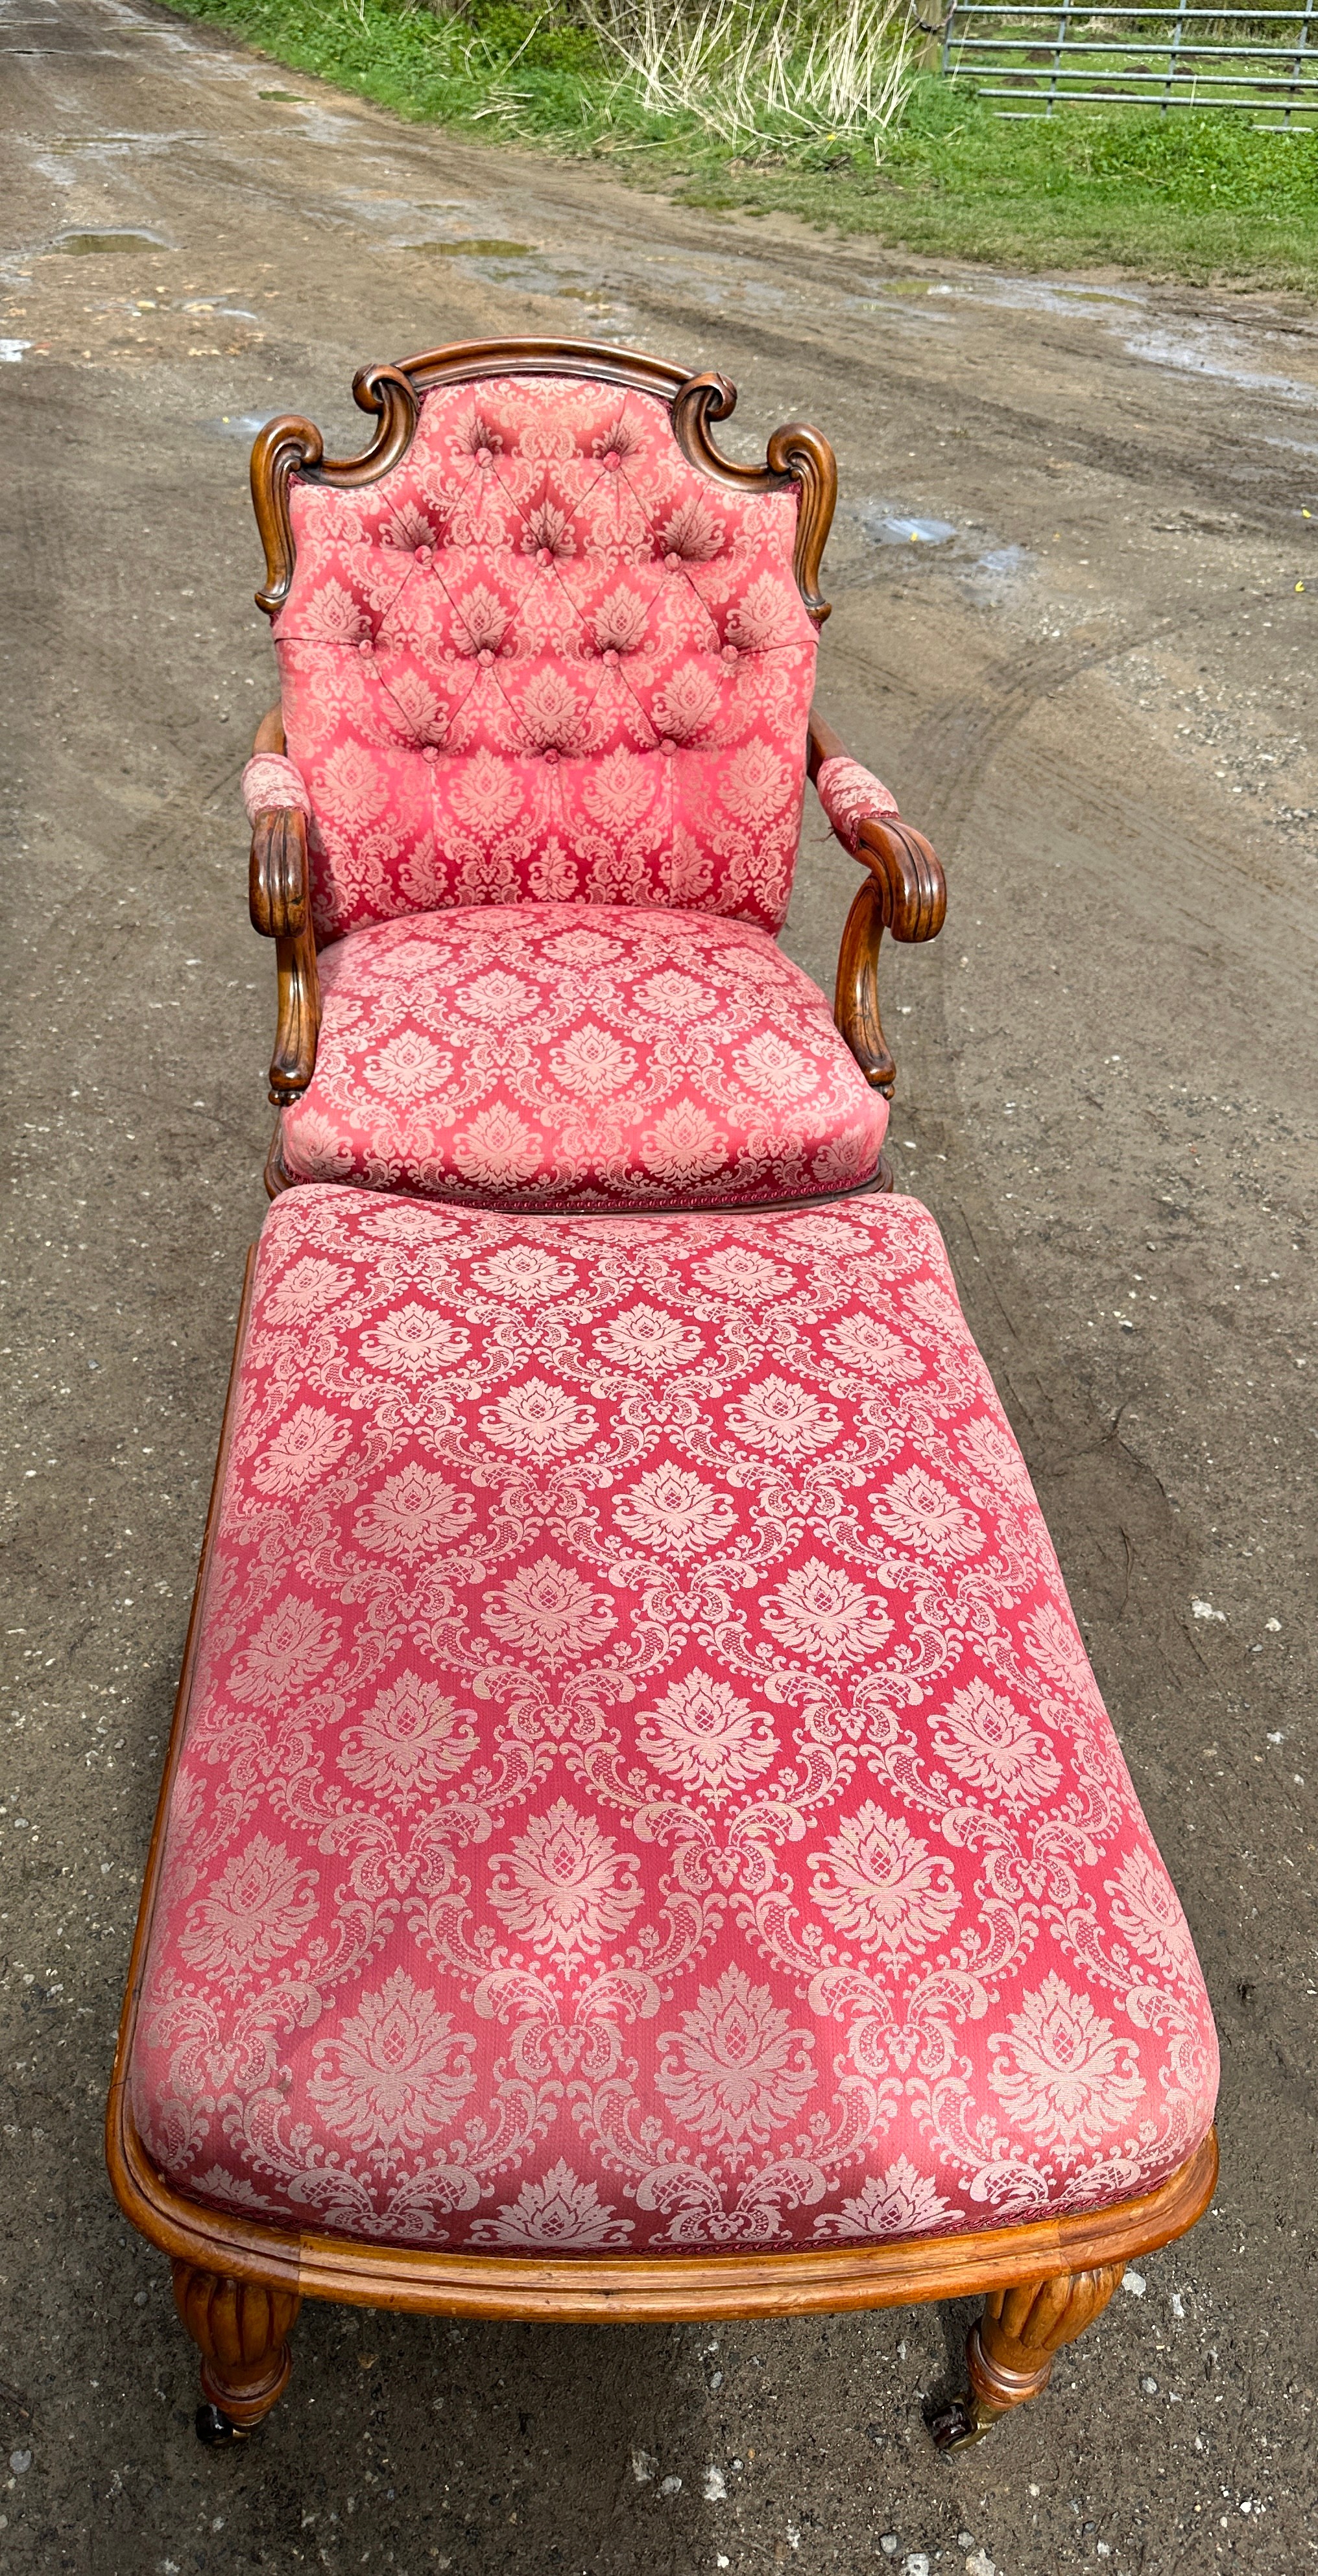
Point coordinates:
[[1193, 195]]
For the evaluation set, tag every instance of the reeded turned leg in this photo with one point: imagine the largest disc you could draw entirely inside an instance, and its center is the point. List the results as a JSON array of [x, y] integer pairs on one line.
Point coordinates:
[[240, 2328], [1009, 2353]]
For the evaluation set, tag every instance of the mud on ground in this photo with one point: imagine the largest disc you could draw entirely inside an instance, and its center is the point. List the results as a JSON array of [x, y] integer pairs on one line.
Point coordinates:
[[1090, 682]]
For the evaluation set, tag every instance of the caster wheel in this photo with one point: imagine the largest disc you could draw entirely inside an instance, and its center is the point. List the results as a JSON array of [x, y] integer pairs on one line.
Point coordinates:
[[214, 2427], [955, 2428]]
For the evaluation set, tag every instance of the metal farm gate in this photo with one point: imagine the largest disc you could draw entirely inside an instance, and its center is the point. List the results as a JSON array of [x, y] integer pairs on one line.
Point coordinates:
[[1034, 61]]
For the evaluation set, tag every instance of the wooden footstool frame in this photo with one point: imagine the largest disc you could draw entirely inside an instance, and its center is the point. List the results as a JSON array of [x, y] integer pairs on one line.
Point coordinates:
[[239, 2283]]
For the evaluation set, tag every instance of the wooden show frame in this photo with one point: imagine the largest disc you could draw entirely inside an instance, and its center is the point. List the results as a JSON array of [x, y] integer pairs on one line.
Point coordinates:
[[904, 891]]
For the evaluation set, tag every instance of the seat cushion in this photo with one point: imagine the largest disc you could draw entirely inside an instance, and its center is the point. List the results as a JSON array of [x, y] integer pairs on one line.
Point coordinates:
[[554, 1055], [642, 1785]]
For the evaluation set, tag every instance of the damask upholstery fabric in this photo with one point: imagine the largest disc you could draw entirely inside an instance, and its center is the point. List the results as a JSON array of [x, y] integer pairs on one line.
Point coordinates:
[[271, 780], [643, 1786], [541, 1054], [851, 795], [545, 656]]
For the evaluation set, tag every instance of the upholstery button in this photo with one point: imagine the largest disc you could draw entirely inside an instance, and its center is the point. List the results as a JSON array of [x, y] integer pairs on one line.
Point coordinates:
[[730, 653], [424, 553], [611, 657], [672, 561], [668, 746], [430, 751], [485, 656], [366, 645], [550, 753], [612, 461], [484, 456], [543, 555]]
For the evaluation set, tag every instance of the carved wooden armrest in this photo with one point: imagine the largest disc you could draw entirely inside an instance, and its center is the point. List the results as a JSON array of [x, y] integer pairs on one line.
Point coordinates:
[[279, 900], [905, 893]]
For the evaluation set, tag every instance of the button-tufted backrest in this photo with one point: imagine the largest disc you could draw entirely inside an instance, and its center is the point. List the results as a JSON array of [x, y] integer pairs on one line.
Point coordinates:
[[544, 656]]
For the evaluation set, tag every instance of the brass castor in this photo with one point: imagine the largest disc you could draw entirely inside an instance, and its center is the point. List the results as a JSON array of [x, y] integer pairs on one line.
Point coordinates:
[[959, 2425], [1010, 2351], [213, 2426]]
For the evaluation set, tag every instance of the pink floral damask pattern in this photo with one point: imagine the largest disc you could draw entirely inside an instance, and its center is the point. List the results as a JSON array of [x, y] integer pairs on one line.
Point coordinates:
[[545, 656], [533, 1054], [271, 780], [643, 1785], [851, 795]]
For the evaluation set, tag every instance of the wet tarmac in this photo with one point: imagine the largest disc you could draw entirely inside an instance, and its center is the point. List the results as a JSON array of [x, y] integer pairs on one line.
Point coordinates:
[[1073, 579]]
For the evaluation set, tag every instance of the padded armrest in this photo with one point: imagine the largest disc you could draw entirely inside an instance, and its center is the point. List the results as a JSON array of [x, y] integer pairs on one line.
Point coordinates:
[[904, 894], [852, 795], [864, 815], [278, 809], [271, 779]]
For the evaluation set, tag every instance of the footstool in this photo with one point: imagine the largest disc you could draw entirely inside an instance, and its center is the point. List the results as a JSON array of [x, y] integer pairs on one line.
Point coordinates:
[[640, 1836]]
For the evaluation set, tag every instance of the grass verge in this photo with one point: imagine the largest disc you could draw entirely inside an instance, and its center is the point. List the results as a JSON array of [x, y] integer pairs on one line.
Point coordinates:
[[1199, 197]]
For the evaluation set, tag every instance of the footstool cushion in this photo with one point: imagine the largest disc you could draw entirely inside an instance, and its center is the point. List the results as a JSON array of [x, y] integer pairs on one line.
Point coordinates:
[[570, 1056], [643, 1786]]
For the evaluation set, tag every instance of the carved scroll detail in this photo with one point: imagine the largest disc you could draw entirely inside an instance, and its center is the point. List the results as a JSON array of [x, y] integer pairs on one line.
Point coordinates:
[[291, 445], [856, 994], [905, 894], [279, 900], [796, 454]]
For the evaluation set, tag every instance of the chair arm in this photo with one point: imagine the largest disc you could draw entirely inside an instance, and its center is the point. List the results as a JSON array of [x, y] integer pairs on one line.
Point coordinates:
[[905, 893], [910, 874], [279, 900], [279, 879], [864, 815]]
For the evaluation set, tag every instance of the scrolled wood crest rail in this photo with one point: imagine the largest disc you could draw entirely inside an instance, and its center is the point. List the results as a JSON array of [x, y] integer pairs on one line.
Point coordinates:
[[289, 444]]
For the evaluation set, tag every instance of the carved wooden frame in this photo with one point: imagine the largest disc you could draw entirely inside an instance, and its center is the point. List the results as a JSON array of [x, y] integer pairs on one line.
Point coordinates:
[[292, 445], [239, 2281], [904, 892]]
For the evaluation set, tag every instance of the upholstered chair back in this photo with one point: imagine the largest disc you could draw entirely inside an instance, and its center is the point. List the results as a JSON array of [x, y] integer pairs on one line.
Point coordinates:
[[545, 655]]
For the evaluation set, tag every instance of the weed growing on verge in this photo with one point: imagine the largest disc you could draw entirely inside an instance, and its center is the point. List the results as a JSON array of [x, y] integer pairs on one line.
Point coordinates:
[[763, 74], [826, 121]]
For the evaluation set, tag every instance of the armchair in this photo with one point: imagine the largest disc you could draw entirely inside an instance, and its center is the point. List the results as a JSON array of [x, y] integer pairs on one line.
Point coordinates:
[[525, 821]]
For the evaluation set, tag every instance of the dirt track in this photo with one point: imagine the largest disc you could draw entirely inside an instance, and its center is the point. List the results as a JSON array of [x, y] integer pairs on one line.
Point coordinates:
[[1095, 695]]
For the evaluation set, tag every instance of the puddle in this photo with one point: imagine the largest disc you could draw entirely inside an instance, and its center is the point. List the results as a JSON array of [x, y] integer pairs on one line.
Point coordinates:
[[888, 529], [119, 143], [1211, 354], [1197, 349], [1041, 295], [78, 244], [213, 310], [239, 424], [474, 249], [1000, 573]]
